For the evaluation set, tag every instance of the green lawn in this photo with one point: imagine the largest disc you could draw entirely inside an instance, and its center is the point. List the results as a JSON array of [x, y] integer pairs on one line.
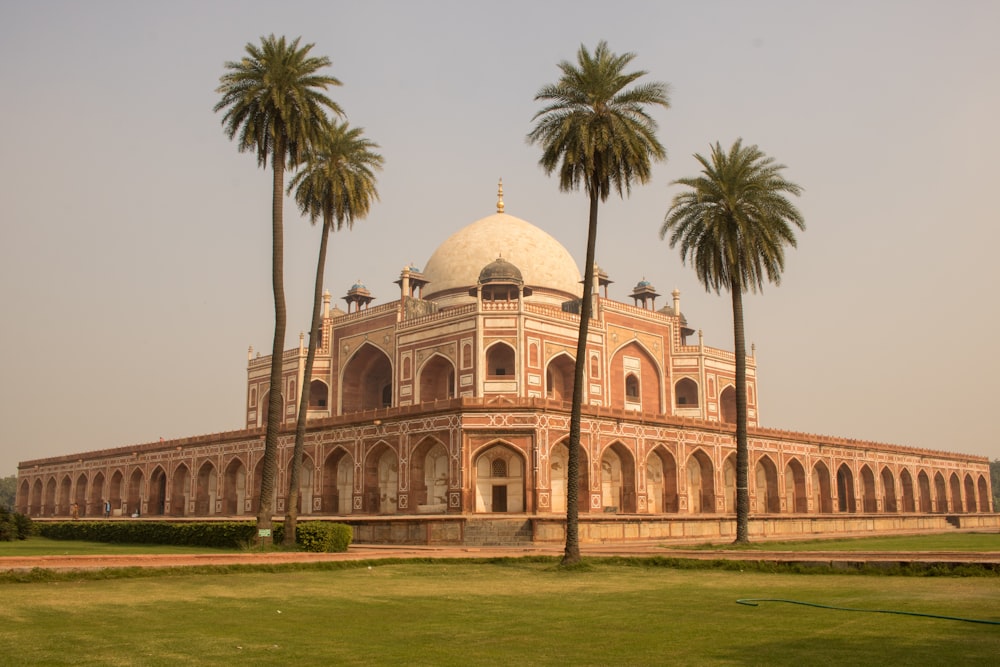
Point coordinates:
[[42, 546], [502, 613], [933, 542]]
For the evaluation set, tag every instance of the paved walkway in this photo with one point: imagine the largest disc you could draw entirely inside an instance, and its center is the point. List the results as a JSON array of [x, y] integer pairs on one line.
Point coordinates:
[[378, 552]]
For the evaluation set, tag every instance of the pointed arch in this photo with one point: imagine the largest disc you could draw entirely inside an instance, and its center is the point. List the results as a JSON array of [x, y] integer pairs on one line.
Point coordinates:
[[436, 379], [984, 495], [500, 478], [924, 488], [846, 501], [429, 476], [63, 502], [23, 503], [49, 506], [80, 494], [661, 481], [618, 479], [96, 499], [319, 395], [366, 381], [940, 494], [729, 483], [501, 361], [727, 405], [135, 493], [906, 486], [700, 483], [180, 490], [381, 482], [796, 500], [869, 497], [970, 494], [235, 488], [822, 493], [116, 492], [635, 378], [559, 377], [956, 493], [206, 492], [686, 393], [156, 503], [558, 467], [766, 486], [888, 491], [306, 484], [338, 482], [37, 491]]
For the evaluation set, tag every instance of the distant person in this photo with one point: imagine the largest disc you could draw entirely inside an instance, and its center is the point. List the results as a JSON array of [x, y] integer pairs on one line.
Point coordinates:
[[74, 511], [107, 509]]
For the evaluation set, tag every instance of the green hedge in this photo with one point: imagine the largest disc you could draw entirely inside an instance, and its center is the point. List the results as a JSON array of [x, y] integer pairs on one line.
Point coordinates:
[[311, 535]]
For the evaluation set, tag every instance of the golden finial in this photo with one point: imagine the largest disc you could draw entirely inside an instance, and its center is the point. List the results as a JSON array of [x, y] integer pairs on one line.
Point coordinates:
[[500, 197]]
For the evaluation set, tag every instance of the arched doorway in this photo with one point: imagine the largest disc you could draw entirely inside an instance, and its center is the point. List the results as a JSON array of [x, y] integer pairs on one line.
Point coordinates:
[[338, 482], [845, 490], [906, 484], [796, 500], [499, 480], [924, 486], [23, 504], [157, 503], [956, 494], [366, 383], [116, 493], [869, 498], [207, 490], [766, 486], [940, 494], [429, 477], [234, 488], [970, 494], [36, 498], [729, 483], [381, 480], [701, 484], [180, 490], [80, 495], [618, 480], [558, 476], [984, 496], [97, 497], [661, 482], [727, 405], [821, 488], [62, 507], [437, 379], [135, 493], [559, 378], [888, 491], [49, 507]]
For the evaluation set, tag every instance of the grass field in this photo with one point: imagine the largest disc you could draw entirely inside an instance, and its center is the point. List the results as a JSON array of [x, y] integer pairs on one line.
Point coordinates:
[[977, 542], [509, 612]]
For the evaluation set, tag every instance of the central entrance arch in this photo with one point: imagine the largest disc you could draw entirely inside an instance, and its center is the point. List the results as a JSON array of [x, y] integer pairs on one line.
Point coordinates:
[[499, 480]]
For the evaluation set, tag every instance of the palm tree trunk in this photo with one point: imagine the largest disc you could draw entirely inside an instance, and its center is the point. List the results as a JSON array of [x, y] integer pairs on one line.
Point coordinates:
[[265, 504], [742, 449], [571, 554], [292, 511]]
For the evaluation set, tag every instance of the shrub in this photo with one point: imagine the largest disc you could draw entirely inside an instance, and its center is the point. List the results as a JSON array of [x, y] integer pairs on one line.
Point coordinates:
[[323, 536], [14, 526]]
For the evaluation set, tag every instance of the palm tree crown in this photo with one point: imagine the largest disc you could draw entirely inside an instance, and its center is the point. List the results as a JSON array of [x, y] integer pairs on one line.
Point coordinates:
[[338, 181], [274, 95], [734, 221], [595, 129]]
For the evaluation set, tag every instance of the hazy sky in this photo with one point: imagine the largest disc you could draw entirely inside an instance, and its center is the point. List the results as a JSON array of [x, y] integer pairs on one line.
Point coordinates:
[[135, 238]]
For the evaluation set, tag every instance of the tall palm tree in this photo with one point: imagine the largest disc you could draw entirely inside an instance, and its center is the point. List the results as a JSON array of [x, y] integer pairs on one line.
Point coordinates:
[[275, 102], [733, 225], [337, 186], [596, 132]]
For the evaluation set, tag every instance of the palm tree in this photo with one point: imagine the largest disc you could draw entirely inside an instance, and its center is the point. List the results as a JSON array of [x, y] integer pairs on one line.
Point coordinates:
[[275, 102], [733, 225], [596, 132], [336, 186]]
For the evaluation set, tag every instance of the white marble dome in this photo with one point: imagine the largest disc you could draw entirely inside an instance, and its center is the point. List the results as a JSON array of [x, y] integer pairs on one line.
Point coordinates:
[[547, 267]]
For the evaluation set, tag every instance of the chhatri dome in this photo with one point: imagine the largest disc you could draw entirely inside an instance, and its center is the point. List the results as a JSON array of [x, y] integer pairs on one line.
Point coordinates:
[[545, 265]]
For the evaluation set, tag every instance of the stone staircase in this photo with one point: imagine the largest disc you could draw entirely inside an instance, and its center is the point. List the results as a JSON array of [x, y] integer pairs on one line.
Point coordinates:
[[497, 532]]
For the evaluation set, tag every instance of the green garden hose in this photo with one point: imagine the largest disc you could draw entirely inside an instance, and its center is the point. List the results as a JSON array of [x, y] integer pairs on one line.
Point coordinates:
[[753, 602]]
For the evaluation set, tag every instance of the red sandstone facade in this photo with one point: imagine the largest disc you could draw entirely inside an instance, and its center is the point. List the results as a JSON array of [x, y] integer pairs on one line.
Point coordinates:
[[454, 400]]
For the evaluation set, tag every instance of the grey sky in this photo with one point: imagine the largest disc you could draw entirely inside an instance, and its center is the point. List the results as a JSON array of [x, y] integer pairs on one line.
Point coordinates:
[[135, 238]]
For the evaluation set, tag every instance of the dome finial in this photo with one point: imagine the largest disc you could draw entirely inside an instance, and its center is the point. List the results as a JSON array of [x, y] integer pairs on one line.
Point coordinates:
[[500, 196]]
